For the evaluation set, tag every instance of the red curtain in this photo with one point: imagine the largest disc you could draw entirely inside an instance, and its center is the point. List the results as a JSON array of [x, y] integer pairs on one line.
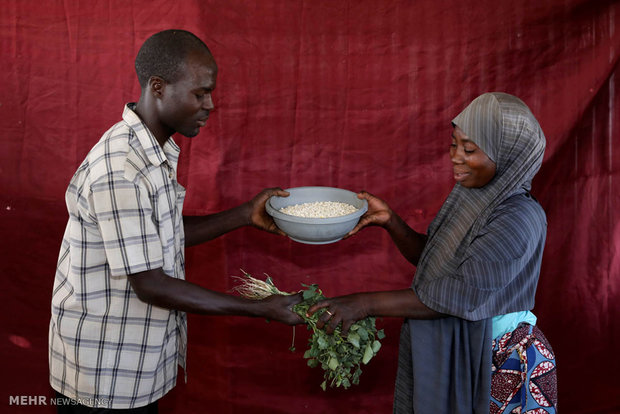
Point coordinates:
[[351, 94]]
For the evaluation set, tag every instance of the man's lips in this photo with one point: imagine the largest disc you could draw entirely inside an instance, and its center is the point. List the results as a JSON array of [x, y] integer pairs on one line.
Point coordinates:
[[202, 122]]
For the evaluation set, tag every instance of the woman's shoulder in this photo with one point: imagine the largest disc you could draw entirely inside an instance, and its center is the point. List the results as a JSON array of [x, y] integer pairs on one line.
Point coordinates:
[[518, 213]]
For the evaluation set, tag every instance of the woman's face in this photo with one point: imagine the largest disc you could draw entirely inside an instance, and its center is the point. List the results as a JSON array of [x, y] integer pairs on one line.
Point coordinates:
[[472, 167]]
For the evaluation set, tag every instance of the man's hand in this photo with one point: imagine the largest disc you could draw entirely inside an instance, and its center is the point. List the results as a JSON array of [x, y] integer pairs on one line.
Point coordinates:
[[280, 308], [257, 215]]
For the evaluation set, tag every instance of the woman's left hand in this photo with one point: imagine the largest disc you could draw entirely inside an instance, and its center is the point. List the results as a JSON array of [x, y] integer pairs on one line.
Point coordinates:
[[343, 309], [258, 216]]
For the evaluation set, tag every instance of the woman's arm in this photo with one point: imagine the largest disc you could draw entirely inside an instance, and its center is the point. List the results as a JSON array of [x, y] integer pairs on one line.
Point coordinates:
[[352, 308], [409, 242]]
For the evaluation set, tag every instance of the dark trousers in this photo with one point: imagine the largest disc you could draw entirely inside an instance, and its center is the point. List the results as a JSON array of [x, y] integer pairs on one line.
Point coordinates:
[[72, 407]]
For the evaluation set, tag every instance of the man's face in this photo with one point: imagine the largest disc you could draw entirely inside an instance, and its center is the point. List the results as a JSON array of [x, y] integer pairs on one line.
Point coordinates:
[[186, 103]]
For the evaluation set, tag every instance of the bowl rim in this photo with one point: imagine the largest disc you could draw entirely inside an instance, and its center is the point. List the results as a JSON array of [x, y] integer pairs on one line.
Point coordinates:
[[276, 214]]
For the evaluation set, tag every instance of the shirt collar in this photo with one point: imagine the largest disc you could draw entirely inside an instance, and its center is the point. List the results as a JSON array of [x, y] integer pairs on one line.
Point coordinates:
[[154, 152]]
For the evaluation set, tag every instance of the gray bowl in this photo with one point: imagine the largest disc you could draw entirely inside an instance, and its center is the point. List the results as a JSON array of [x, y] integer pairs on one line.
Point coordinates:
[[315, 230]]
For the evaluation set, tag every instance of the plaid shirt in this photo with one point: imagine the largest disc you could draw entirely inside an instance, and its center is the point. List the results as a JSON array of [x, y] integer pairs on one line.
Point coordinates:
[[106, 347]]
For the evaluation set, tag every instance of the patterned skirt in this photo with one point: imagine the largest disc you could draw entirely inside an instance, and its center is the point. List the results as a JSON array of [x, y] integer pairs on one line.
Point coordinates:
[[524, 377]]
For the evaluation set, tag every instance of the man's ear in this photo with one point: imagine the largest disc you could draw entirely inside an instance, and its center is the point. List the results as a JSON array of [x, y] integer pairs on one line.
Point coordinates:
[[156, 86]]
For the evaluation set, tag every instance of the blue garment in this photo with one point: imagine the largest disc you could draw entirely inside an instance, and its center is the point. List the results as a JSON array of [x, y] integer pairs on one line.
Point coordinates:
[[502, 324]]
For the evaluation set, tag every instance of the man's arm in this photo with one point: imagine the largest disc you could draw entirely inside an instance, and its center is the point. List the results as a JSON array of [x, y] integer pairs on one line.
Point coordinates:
[[199, 229], [158, 289]]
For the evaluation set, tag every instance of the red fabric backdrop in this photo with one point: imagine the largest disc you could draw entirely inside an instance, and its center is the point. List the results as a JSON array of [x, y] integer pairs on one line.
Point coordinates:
[[352, 94]]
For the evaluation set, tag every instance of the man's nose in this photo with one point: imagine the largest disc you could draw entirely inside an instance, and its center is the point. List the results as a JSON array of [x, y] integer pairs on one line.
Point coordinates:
[[208, 103]]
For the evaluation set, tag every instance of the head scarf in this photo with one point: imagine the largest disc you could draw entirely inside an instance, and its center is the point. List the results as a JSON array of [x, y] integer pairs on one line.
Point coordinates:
[[504, 128]]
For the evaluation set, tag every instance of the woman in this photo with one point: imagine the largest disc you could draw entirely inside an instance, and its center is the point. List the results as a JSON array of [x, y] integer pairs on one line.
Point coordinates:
[[469, 342]]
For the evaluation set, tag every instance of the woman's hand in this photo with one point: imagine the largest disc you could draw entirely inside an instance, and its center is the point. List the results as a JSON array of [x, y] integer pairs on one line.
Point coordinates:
[[257, 214], [378, 214], [280, 308], [343, 309]]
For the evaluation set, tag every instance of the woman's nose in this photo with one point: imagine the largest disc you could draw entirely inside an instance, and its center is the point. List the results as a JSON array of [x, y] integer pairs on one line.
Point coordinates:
[[456, 155]]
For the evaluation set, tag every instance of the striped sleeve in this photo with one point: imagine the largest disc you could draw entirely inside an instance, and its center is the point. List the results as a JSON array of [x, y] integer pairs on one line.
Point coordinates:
[[124, 213]]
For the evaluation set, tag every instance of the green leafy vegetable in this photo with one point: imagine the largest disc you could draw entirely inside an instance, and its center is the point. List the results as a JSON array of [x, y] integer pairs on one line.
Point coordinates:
[[340, 357]]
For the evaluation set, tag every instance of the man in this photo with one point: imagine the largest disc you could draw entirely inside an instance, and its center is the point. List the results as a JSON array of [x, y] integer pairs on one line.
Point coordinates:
[[118, 326]]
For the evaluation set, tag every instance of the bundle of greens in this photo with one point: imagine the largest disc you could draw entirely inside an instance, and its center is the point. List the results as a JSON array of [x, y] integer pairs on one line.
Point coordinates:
[[339, 356]]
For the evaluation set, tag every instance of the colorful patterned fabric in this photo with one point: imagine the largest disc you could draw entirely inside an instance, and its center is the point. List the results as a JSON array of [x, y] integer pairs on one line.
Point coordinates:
[[524, 376]]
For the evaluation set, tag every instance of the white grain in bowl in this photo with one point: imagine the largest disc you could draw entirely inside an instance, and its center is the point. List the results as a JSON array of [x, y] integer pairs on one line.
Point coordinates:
[[319, 209]]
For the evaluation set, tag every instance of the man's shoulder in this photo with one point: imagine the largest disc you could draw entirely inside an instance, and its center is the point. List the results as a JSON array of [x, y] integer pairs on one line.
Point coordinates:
[[111, 154]]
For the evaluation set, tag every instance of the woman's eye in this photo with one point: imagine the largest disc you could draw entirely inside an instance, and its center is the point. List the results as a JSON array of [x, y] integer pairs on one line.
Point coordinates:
[[469, 151]]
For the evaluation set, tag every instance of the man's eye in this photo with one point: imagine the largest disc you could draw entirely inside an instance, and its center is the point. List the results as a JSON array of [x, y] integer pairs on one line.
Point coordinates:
[[199, 96]]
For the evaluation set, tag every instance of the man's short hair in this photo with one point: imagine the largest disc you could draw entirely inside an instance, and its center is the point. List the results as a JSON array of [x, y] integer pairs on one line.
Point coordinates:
[[163, 53]]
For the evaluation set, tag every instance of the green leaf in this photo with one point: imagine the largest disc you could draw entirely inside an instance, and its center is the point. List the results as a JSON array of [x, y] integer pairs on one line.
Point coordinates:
[[333, 363], [368, 354], [380, 334], [376, 345], [322, 342], [308, 294], [363, 333], [354, 339]]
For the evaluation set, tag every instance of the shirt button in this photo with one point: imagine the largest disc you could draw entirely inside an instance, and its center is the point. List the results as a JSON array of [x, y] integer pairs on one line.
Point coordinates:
[[170, 174]]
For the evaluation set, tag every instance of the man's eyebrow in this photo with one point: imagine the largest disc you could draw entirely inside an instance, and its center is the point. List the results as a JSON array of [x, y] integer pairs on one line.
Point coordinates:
[[205, 89]]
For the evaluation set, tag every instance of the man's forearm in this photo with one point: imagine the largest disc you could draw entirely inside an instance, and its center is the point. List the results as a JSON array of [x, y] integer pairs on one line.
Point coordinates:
[[158, 289], [199, 229]]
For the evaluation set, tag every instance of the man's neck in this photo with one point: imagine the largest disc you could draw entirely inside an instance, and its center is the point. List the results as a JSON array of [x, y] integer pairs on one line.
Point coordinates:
[[148, 117]]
